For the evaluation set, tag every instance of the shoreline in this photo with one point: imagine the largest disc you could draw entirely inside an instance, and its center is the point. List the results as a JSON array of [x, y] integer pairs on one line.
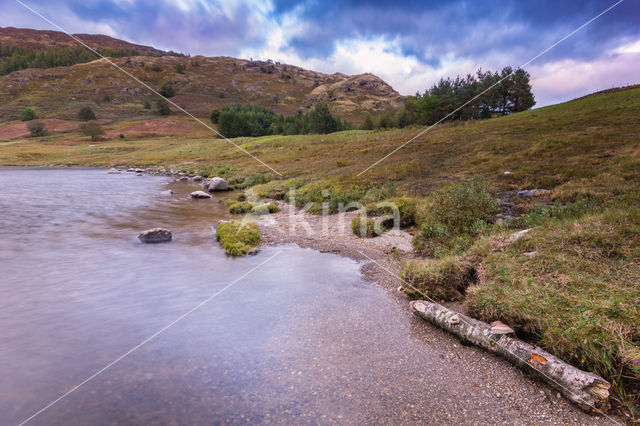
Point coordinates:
[[520, 388]]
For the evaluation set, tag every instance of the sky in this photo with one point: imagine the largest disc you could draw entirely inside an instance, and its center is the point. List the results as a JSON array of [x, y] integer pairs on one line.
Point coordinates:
[[410, 44]]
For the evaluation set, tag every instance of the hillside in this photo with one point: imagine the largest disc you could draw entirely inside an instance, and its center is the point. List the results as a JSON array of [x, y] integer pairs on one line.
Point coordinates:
[[202, 83], [46, 39]]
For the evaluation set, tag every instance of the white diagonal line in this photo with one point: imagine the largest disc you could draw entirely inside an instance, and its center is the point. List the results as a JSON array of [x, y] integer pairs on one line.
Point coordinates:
[[145, 341], [149, 87], [491, 87], [492, 340]]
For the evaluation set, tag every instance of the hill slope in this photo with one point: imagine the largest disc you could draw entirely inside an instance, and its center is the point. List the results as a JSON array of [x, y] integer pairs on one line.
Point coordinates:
[[202, 83]]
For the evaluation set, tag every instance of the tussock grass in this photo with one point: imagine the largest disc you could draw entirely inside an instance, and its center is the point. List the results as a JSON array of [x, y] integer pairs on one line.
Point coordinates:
[[238, 238], [573, 283], [444, 279]]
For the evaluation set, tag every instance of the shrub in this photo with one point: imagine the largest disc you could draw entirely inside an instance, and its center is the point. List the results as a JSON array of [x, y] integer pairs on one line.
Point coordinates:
[[28, 114], [162, 107], [215, 114], [368, 123], [252, 180], [180, 68], [36, 128], [86, 114], [93, 129], [238, 238], [277, 189], [444, 279], [406, 208], [241, 197], [334, 195], [266, 208], [167, 90], [460, 205], [457, 212], [240, 207], [156, 68], [364, 229]]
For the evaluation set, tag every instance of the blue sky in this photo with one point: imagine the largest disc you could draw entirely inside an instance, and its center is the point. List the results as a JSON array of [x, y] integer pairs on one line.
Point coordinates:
[[410, 44]]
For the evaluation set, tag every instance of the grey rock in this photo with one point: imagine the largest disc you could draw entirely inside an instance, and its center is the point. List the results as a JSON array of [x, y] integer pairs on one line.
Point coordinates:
[[217, 184], [530, 193], [113, 171], [155, 235], [197, 178], [199, 194]]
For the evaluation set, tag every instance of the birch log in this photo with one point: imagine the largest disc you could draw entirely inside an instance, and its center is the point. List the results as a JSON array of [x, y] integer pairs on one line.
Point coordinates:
[[587, 390]]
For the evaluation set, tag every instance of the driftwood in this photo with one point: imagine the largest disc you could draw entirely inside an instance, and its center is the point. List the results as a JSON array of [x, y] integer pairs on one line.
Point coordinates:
[[587, 390]]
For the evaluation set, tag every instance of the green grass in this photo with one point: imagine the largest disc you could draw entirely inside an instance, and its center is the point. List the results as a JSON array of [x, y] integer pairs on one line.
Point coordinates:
[[572, 283], [238, 238]]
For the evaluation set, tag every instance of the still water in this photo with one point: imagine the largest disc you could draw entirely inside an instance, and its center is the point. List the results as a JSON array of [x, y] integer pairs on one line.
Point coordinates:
[[302, 339]]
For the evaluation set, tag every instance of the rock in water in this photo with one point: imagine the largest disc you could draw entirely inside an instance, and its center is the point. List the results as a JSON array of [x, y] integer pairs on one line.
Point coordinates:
[[113, 171], [199, 194], [217, 184], [155, 235], [197, 178]]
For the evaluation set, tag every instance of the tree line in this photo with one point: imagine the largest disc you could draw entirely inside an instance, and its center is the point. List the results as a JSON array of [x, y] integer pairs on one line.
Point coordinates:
[[14, 58], [253, 120], [472, 97]]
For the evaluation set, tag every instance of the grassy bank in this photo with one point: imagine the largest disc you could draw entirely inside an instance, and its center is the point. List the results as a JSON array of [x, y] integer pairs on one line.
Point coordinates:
[[571, 284]]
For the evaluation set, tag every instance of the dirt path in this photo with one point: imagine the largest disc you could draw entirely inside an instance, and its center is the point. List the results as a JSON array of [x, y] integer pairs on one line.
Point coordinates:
[[503, 392]]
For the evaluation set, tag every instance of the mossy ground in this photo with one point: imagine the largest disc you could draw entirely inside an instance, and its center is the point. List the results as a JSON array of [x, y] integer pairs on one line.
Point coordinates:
[[238, 238]]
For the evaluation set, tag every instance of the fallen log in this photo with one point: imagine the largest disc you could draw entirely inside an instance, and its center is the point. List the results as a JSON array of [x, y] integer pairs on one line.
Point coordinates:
[[587, 390]]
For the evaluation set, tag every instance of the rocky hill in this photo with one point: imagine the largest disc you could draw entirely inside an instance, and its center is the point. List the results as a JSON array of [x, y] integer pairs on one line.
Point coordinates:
[[44, 39], [201, 83]]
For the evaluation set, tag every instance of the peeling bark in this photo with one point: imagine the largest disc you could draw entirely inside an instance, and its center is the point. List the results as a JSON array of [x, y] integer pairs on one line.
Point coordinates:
[[588, 390]]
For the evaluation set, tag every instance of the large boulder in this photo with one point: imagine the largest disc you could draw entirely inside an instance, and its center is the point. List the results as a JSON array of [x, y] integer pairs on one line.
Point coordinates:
[[199, 194], [217, 184], [155, 235]]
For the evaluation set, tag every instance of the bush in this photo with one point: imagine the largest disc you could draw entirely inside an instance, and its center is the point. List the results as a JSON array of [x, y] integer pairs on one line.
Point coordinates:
[[368, 123], [86, 114], [459, 206], [334, 195], [214, 116], [266, 208], [28, 114], [180, 68], [241, 197], [167, 90], [277, 189], [369, 228], [445, 279], [237, 238], [162, 107], [240, 207], [406, 210], [457, 212], [36, 128], [93, 129]]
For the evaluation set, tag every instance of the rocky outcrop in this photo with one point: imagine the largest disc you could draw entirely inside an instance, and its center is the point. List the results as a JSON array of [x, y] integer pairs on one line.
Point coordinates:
[[155, 235]]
